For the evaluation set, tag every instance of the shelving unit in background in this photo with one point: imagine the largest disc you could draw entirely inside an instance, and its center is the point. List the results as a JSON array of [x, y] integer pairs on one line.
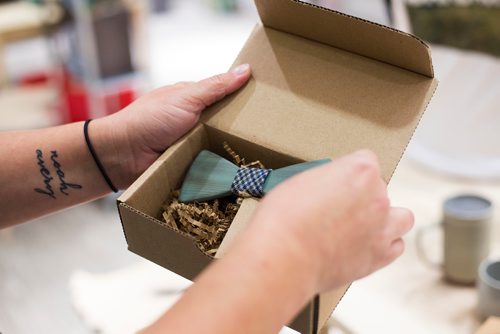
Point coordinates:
[[20, 20], [102, 58]]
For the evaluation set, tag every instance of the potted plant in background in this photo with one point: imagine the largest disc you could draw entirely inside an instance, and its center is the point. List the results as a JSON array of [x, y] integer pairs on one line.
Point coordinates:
[[472, 25]]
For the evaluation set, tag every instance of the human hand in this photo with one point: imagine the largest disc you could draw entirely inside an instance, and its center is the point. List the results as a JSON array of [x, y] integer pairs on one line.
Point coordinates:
[[335, 221], [142, 131]]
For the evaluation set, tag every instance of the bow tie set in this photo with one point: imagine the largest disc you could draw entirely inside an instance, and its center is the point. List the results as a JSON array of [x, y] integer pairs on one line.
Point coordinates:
[[211, 177]]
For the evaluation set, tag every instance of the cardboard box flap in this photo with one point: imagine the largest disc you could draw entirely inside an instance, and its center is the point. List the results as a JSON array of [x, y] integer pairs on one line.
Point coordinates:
[[348, 33], [310, 100]]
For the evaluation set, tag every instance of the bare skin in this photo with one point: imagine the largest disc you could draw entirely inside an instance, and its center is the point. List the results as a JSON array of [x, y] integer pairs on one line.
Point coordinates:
[[343, 230], [126, 143]]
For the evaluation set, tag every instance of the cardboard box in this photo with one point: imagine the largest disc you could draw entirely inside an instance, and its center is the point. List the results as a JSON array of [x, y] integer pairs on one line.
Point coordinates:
[[324, 85]]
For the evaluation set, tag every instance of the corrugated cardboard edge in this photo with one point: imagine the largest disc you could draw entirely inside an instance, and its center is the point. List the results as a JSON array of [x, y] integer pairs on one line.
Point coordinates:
[[338, 300], [429, 72], [435, 84], [401, 32], [118, 204]]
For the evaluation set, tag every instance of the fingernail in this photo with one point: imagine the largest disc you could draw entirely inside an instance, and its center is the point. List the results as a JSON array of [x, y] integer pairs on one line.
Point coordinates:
[[241, 69]]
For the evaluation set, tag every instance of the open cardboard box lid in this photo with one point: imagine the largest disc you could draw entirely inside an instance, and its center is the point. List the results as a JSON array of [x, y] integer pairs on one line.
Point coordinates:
[[326, 84]]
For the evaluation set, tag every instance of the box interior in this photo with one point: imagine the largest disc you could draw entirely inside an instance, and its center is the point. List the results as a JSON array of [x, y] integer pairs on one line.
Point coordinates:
[[155, 187]]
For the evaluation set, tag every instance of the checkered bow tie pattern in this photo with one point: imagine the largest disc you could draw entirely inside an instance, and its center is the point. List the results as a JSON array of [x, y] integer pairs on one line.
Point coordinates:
[[211, 176], [250, 181]]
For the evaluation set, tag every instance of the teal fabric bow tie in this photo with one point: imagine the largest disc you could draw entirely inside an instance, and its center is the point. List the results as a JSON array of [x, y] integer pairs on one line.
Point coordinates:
[[211, 176]]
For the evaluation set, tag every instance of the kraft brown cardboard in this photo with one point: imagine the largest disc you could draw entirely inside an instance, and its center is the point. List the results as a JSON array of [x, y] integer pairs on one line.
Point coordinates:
[[238, 225], [332, 102], [324, 84], [341, 31]]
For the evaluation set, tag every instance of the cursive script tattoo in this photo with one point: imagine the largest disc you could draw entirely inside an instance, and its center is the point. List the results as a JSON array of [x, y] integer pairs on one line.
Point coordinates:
[[63, 185], [47, 178]]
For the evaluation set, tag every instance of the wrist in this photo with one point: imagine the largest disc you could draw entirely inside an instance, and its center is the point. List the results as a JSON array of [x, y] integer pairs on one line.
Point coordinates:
[[299, 241], [113, 151], [286, 253], [265, 264]]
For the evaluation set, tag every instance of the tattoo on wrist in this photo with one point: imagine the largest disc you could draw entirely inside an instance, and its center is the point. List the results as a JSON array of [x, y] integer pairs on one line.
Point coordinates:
[[48, 189], [63, 185], [47, 178]]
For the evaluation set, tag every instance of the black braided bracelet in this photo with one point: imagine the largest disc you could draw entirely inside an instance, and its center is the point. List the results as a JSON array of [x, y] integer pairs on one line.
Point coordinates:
[[94, 155]]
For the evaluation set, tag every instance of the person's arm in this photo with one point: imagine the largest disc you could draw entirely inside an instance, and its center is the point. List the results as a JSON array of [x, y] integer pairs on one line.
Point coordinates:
[[317, 231], [47, 170], [50, 169]]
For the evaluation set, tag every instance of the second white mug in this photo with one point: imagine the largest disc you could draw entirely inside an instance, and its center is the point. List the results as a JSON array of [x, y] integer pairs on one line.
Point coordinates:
[[466, 225]]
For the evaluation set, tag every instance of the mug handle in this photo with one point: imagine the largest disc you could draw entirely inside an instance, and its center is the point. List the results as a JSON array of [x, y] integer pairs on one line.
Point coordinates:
[[421, 253]]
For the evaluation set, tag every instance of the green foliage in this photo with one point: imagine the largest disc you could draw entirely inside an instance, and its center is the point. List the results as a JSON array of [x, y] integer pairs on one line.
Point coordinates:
[[474, 27]]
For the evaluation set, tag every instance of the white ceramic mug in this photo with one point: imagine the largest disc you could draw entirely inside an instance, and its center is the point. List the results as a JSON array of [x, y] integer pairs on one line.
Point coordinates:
[[489, 288], [467, 225]]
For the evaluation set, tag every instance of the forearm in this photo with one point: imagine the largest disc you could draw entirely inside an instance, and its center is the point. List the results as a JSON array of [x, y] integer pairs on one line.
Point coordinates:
[[51, 169], [257, 288]]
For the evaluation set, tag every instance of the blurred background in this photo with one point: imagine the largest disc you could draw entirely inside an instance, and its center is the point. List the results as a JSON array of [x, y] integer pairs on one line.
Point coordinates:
[[68, 60]]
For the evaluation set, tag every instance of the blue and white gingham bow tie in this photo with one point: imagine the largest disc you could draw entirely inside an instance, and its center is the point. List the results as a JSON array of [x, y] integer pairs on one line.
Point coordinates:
[[211, 176]]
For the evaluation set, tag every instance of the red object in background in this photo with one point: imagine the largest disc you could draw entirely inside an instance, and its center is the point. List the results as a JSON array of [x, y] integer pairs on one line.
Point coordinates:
[[34, 79], [115, 101], [74, 99], [74, 103], [127, 96], [77, 107]]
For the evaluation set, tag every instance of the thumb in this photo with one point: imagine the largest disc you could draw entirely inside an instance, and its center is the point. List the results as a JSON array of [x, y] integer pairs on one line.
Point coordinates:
[[211, 90]]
